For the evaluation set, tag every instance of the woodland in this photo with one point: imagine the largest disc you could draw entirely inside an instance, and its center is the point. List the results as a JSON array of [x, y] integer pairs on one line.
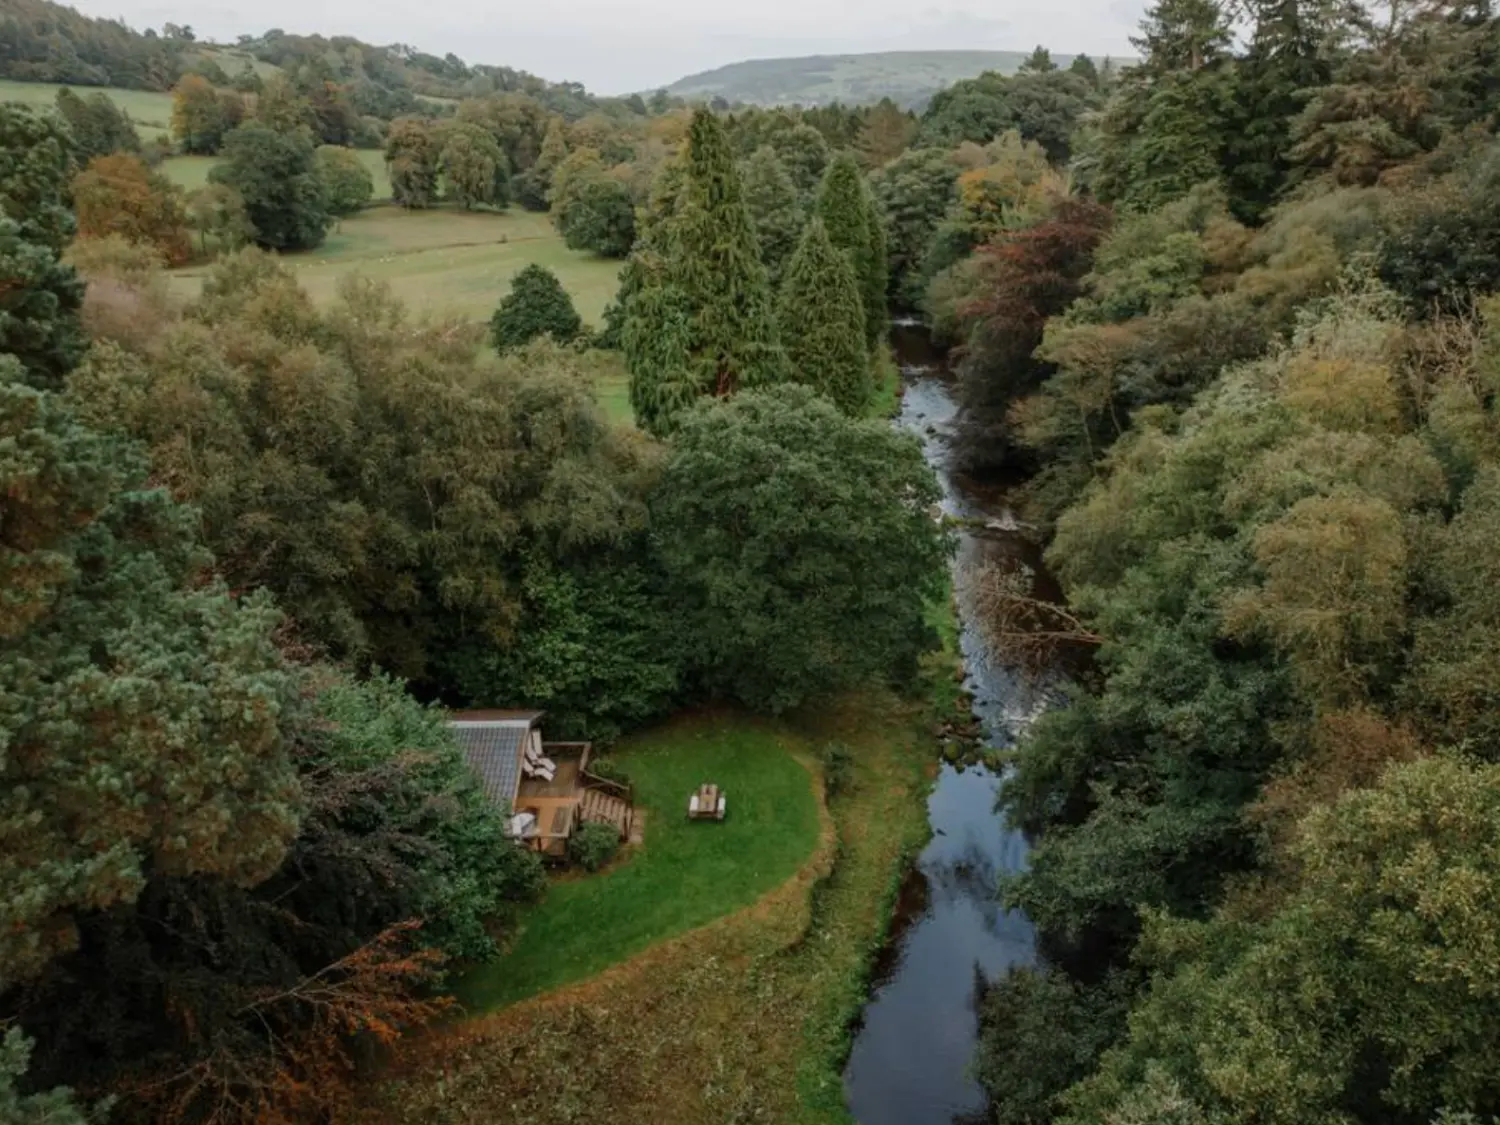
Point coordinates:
[[1229, 314]]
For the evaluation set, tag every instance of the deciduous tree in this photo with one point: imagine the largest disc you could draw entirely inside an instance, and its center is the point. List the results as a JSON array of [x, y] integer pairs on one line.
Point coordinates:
[[120, 195], [277, 177], [347, 183], [411, 156], [797, 545]]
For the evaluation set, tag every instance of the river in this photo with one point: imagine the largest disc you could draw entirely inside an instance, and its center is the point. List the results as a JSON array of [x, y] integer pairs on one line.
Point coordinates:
[[910, 1057]]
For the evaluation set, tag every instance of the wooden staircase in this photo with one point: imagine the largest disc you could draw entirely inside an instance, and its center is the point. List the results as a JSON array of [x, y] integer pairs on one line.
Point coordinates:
[[605, 808]]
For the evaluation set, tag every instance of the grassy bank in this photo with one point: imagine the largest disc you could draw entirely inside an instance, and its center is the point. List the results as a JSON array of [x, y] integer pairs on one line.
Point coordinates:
[[445, 261], [746, 1019]]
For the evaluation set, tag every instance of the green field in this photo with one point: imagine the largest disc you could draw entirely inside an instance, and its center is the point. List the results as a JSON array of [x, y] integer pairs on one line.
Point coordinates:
[[688, 872], [151, 113], [445, 261], [190, 172]]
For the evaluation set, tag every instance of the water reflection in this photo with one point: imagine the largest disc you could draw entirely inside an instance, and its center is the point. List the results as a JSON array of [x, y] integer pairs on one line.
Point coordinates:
[[909, 1063]]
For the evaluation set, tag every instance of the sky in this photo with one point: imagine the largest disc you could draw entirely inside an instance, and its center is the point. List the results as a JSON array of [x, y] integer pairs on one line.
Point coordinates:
[[621, 46]]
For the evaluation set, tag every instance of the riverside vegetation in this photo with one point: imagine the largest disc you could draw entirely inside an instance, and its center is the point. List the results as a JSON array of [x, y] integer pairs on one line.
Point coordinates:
[[1231, 315]]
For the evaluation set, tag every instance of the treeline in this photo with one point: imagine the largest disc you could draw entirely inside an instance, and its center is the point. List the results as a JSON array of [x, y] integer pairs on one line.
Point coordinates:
[[1248, 358], [245, 535], [45, 42]]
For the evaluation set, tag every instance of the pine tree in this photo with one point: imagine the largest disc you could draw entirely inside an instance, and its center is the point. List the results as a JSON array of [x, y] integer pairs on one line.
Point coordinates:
[[823, 321], [774, 208], [714, 264], [40, 302], [1182, 35], [849, 215]]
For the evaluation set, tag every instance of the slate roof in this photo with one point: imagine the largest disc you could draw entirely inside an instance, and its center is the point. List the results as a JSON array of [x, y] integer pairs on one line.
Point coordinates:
[[493, 747]]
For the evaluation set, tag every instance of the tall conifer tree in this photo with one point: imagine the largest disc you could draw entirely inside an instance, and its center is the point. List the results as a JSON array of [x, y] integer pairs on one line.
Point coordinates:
[[722, 311], [849, 215], [823, 320]]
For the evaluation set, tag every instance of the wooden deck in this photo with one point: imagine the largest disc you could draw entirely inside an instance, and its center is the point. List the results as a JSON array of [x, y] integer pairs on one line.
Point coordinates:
[[605, 808]]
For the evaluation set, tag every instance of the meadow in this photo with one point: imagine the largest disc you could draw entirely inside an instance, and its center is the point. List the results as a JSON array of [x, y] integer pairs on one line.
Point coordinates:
[[445, 261], [151, 112], [190, 172]]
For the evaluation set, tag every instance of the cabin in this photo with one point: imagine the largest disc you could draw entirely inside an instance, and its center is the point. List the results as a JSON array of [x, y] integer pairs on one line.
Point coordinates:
[[545, 787]]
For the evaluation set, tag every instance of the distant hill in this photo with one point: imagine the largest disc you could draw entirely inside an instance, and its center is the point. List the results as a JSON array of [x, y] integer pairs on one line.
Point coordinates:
[[908, 78]]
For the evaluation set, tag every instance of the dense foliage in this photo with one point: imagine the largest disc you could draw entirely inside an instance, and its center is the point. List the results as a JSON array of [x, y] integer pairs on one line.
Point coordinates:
[[1253, 397], [537, 305], [798, 546], [703, 322], [276, 176]]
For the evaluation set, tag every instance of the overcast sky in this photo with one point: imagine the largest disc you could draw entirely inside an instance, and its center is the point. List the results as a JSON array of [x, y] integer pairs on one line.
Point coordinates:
[[619, 46]]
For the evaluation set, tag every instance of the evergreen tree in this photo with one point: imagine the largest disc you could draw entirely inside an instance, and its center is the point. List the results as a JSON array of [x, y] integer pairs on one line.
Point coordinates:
[[775, 209], [40, 302], [142, 703], [715, 266], [1180, 35], [849, 215], [53, 1107], [1038, 62], [537, 305], [823, 321]]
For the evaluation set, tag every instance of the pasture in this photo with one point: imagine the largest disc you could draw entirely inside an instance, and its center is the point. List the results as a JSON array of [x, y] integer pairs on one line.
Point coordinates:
[[151, 112], [189, 172], [445, 261]]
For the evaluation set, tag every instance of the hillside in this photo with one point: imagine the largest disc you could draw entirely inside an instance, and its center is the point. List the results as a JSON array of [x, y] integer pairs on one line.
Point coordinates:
[[908, 78]]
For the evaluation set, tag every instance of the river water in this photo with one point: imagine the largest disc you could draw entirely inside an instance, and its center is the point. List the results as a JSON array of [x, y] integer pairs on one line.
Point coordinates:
[[910, 1058]]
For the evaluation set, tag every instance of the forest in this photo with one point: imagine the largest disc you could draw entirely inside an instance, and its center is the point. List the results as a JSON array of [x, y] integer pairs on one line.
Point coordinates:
[[1228, 316]]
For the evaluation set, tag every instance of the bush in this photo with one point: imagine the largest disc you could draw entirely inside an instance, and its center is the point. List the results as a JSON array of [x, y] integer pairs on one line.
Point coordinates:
[[537, 305], [593, 845], [838, 767], [609, 770]]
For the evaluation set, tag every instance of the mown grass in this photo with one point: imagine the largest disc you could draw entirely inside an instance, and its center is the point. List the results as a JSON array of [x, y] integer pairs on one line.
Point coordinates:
[[747, 1019], [445, 261], [687, 873], [151, 112]]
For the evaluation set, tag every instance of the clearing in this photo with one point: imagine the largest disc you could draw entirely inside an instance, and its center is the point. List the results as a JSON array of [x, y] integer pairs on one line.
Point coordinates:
[[445, 261], [744, 1019], [688, 873], [151, 112]]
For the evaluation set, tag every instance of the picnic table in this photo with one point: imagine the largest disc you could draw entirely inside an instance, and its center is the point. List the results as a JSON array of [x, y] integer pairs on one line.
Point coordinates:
[[708, 803]]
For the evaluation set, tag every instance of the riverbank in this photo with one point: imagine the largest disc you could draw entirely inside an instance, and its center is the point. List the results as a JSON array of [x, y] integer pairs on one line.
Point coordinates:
[[745, 1019]]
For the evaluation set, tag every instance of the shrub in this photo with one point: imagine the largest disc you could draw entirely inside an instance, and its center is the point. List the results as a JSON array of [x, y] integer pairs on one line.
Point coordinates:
[[609, 770], [838, 767], [593, 845]]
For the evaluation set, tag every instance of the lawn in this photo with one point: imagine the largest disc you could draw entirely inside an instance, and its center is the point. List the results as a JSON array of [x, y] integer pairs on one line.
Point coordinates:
[[189, 172], [445, 261], [151, 112], [688, 872]]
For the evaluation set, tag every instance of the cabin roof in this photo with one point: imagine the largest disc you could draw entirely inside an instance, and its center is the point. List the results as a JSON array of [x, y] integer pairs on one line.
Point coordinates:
[[492, 741], [496, 715]]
